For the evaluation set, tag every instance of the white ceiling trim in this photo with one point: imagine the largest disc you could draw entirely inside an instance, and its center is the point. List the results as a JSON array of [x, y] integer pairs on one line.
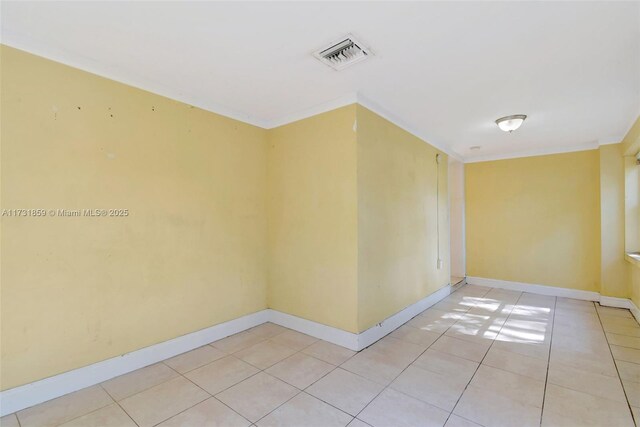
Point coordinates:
[[536, 152], [386, 114], [334, 104], [609, 141], [465, 66], [112, 73], [86, 64]]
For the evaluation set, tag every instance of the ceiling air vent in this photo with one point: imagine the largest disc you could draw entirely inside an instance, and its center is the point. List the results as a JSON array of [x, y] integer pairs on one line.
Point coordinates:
[[343, 53]]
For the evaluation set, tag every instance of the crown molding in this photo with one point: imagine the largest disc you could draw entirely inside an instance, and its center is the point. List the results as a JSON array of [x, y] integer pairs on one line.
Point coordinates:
[[114, 73], [92, 66], [610, 140], [334, 104], [388, 115], [533, 153]]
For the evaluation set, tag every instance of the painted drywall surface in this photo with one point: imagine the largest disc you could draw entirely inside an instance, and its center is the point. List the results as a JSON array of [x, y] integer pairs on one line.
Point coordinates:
[[632, 204], [614, 268], [313, 219], [397, 232], [634, 272], [630, 147], [190, 254], [535, 220], [456, 214], [631, 141]]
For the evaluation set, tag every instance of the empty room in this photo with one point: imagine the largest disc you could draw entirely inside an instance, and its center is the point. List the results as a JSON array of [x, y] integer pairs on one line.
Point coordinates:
[[319, 214]]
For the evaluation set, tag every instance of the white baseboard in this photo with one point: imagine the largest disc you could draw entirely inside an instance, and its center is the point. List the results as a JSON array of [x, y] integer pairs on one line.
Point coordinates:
[[27, 395], [353, 341], [621, 303], [535, 289], [616, 302], [559, 292], [634, 310], [315, 329], [374, 333]]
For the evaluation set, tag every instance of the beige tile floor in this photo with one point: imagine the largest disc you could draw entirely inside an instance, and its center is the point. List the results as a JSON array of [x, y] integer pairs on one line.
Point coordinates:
[[481, 357]]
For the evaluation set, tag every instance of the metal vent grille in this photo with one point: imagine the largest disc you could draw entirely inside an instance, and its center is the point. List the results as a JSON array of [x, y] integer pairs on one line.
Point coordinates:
[[343, 53]]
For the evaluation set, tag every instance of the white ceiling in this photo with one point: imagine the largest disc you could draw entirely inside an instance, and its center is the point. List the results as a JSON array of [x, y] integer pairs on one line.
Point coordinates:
[[443, 70]]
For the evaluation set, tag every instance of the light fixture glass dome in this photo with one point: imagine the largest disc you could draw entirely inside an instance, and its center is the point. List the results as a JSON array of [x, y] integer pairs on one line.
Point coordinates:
[[510, 123]]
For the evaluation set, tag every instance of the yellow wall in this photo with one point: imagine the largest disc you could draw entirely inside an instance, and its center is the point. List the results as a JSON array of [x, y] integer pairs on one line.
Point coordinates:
[[631, 146], [191, 253], [535, 220], [631, 141], [313, 245], [397, 233], [614, 268], [225, 219]]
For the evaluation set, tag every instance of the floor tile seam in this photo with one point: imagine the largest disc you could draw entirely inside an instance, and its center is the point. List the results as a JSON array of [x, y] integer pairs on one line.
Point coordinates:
[[82, 415], [546, 379], [298, 391], [227, 354], [186, 409], [261, 369], [582, 391], [618, 372], [145, 388], [411, 363], [329, 403], [213, 395], [333, 368], [15, 414], [201, 366], [482, 360], [418, 398], [313, 397], [624, 346], [323, 376], [405, 368], [119, 405]]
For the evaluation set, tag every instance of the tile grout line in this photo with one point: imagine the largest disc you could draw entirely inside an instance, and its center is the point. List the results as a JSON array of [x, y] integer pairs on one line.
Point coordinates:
[[253, 375], [483, 357], [546, 378], [211, 396], [387, 386], [118, 403], [264, 370], [164, 382], [90, 412], [292, 397], [221, 391], [368, 379], [300, 351], [635, 422], [300, 391], [180, 374], [334, 367]]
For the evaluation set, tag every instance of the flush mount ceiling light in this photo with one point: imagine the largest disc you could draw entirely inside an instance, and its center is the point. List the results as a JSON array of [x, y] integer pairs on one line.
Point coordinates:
[[342, 53], [510, 123]]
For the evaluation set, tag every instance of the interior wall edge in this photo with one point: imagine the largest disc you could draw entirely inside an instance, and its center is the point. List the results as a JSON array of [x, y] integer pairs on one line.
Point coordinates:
[[27, 395], [554, 291], [30, 394]]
